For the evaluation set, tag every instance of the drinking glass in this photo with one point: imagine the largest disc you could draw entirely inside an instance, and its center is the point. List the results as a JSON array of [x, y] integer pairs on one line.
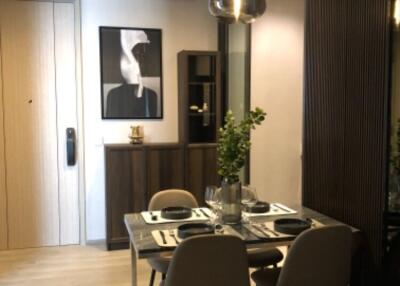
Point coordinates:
[[213, 200], [248, 200]]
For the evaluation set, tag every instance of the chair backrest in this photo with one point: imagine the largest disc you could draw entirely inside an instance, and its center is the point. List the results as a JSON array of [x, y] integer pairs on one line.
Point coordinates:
[[172, 198], [212, 260], [320, 256]]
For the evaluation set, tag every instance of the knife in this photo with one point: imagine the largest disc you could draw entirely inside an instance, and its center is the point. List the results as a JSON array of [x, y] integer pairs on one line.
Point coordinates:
[[262, 231], [249, 231], [282, 208], [270, 230], [163, 237], [204, 213]]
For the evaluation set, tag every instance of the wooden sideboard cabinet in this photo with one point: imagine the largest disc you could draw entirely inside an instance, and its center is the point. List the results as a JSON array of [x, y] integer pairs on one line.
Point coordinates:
[[201, 169], [165, 168], [133, 174]]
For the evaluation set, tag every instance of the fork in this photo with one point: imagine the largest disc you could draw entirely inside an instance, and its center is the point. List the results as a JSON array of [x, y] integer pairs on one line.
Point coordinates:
[[196, 213], [172, 234]]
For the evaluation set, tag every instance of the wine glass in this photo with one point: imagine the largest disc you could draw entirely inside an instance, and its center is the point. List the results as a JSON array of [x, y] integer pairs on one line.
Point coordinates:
[[248, 200], [213, 199]]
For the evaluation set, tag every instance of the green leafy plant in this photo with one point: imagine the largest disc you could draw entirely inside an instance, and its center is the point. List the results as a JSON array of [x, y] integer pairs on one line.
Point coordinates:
[[234, 143], [395, 152]]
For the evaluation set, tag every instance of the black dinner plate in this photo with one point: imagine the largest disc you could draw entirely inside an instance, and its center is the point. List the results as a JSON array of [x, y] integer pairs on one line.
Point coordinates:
[[191, 229], [293, 226], [259, 208], [176, 212]]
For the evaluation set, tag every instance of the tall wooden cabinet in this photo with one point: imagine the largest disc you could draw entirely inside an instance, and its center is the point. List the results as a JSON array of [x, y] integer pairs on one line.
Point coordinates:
[[200, 106]]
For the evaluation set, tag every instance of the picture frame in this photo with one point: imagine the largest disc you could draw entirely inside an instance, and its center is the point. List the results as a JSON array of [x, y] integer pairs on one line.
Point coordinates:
[[131, 73]]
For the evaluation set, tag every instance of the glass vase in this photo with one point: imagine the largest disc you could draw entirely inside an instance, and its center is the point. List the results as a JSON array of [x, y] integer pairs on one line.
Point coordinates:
[[231, 211]]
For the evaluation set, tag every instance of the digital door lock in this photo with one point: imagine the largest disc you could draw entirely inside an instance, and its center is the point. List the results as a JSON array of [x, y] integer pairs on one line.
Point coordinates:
[[71, 147]]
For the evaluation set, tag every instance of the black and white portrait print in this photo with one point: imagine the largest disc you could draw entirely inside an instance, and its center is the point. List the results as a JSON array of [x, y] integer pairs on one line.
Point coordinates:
[[131, 73]]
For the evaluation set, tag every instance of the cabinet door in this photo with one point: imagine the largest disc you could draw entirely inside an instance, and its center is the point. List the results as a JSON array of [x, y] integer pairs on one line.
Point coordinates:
[[125, 193], [201, 169], [199, 76], [165, 169]]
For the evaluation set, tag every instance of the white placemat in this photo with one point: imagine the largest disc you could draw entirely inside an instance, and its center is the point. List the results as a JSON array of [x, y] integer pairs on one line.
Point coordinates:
[[197, 215], [268, 227], [170, 236], [275, 209]]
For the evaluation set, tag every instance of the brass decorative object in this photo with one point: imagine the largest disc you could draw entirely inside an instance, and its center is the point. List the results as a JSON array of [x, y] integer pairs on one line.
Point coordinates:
[[136, 135]]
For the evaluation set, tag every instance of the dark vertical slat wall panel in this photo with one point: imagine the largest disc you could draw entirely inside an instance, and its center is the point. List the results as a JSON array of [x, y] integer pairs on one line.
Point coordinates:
[[345, 113], [324, 101]]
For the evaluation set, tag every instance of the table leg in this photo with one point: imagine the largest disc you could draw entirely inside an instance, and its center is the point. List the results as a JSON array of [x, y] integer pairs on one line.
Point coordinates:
[[133, 265]]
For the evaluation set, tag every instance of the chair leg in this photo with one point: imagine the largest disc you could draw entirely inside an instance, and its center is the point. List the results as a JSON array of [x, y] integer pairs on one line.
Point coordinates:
[[163, 275], [152, 276]]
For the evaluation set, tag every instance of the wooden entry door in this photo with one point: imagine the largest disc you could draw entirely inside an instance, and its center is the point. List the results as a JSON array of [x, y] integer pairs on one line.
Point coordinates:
[[39, 103]]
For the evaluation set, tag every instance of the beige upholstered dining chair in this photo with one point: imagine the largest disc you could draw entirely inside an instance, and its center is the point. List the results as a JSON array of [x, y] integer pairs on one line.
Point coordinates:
[[160, 200], [172, 198], [320, 256], [212, 260]]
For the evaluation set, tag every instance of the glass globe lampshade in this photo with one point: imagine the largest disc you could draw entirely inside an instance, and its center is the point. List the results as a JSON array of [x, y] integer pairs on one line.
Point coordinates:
[[397, 12], [230, 11]]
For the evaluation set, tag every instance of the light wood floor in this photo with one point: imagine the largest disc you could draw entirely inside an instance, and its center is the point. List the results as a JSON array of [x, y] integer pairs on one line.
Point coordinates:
[[69, 265]]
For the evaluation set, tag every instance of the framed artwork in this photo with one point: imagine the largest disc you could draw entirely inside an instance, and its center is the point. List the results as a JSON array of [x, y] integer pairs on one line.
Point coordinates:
[[131, 73]]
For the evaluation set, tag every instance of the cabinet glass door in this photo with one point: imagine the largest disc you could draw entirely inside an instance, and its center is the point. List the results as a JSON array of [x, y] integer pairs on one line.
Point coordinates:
[[202, 99]]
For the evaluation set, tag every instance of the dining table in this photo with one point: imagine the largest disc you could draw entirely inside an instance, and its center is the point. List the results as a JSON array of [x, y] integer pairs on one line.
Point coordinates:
[[144, 245]]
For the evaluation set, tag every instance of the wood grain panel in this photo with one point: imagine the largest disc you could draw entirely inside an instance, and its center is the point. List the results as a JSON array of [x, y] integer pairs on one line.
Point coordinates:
[[64, 24], [125, 184], [3, 195], [30, 123], [201, 169], [165, 169], [346, 115]]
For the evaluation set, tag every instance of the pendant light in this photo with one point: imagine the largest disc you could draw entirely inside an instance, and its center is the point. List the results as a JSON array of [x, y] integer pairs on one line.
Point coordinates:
[[230, 11], [397, 13]]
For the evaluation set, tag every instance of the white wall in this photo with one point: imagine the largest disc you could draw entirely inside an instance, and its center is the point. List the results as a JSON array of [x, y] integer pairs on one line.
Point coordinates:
[[277, 87], [186, 24]]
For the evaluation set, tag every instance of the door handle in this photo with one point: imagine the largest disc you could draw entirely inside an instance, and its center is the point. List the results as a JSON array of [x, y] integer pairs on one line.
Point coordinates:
[[71, 147]]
